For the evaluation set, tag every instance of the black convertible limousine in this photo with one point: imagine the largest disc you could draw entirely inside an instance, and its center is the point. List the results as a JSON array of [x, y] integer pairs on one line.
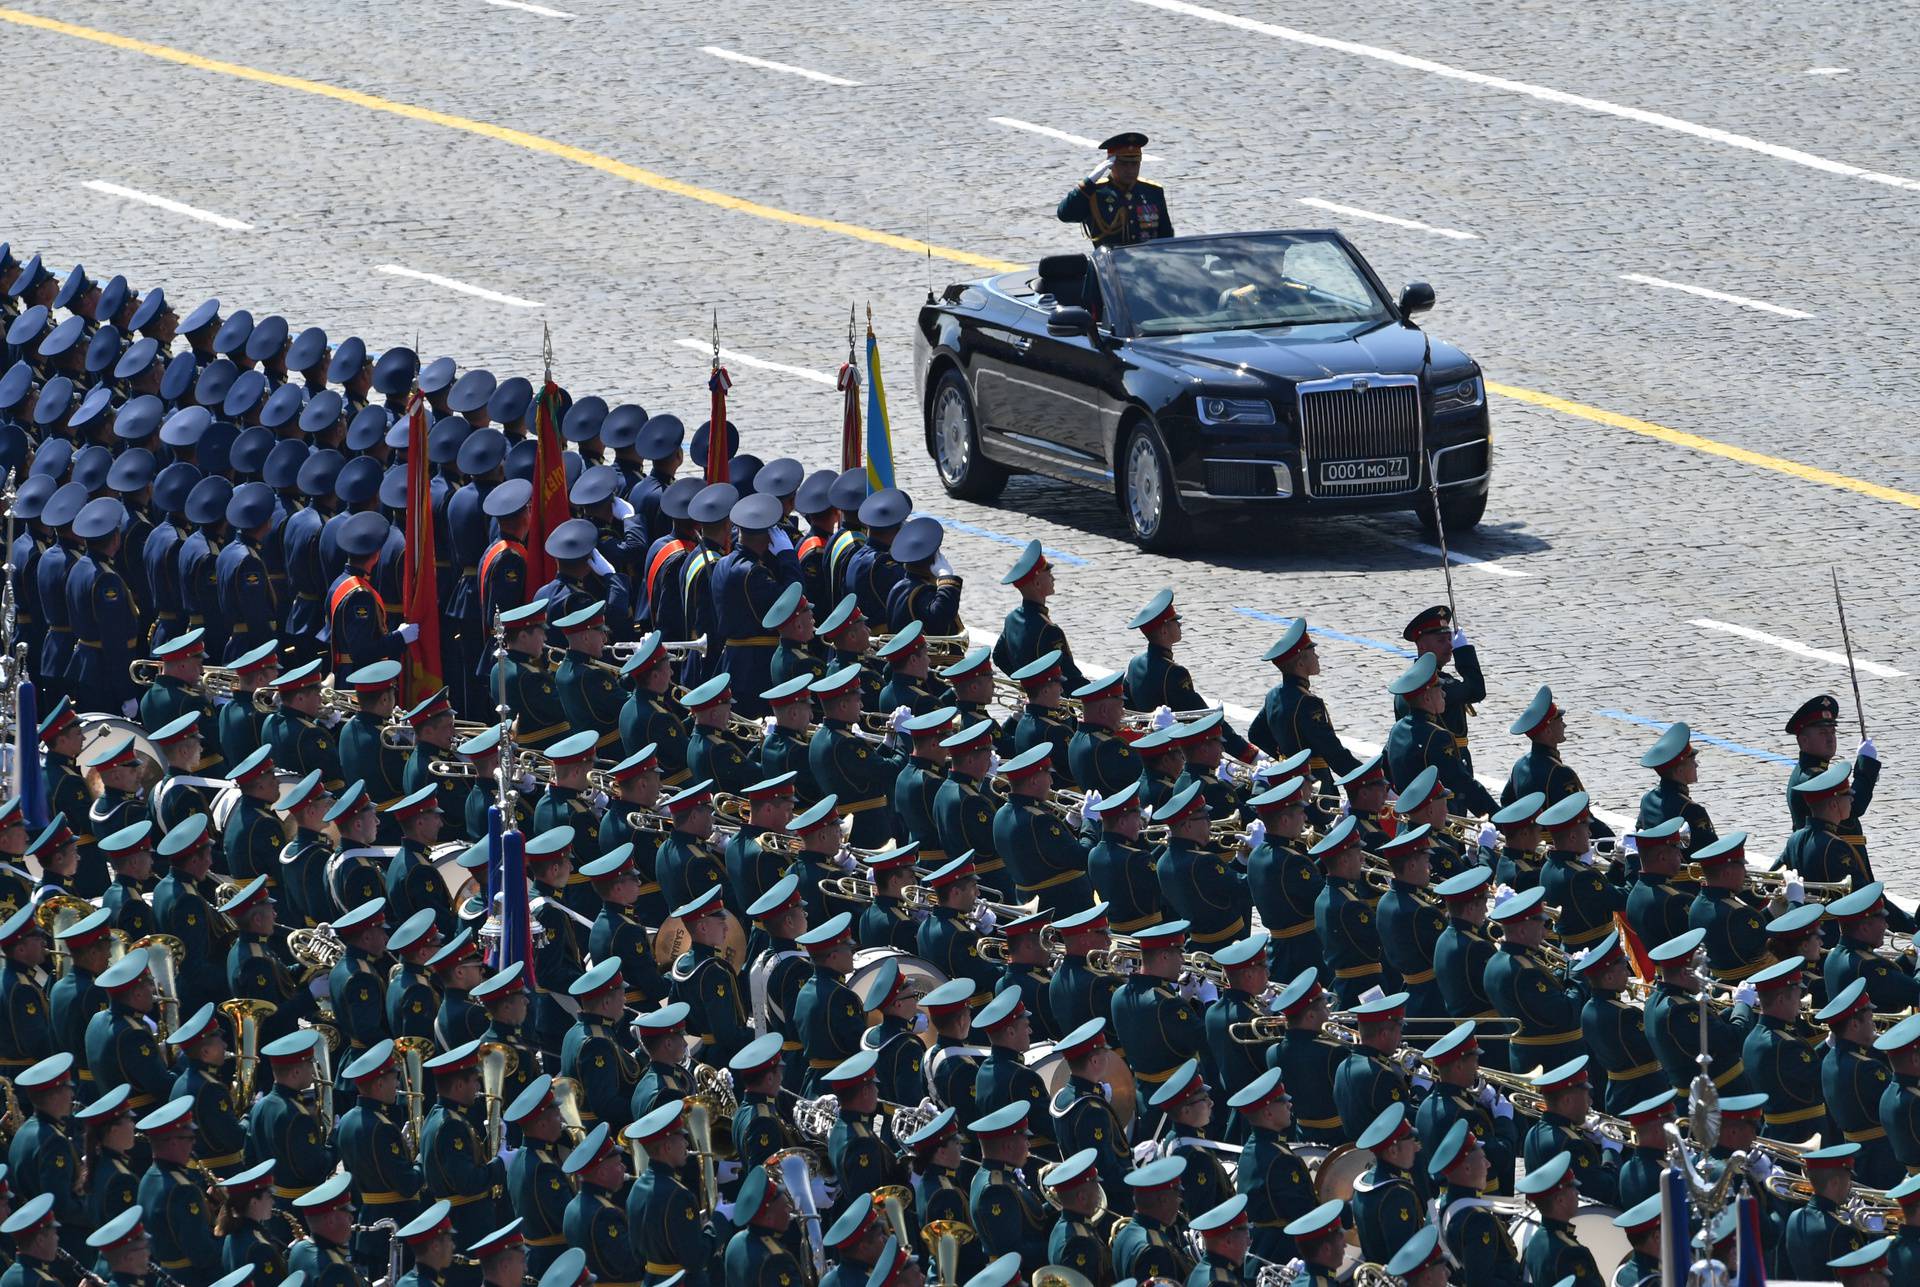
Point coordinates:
[[1192, 373]]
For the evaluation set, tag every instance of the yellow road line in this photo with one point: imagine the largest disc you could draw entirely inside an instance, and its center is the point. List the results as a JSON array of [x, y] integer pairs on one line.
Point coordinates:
[[1709, 446], [740, 205], [503, 134]]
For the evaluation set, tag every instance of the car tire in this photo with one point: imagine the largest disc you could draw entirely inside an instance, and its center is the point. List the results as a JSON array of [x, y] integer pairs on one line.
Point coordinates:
[[953, 440], [1461, 513], [1148, 497]]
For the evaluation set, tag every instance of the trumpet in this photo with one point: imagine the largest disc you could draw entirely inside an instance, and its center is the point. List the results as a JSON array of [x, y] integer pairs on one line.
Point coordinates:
[[215, 681], [653, 824], [623, 652], [332, 700], [1124, 958], [558, 655], [398, 735]]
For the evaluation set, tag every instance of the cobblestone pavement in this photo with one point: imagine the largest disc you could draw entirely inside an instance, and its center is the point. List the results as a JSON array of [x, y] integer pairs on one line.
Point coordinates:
[[1620, 541]]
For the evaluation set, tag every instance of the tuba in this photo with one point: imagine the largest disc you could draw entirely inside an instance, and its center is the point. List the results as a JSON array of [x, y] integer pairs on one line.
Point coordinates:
[[165, 955], [414, 1052], [944, 1238], [323, 1076], [566, 1095], [700, 1132], [498, 1061], [55, 913], [796, 1168], [892, 1199], [246, 1014]]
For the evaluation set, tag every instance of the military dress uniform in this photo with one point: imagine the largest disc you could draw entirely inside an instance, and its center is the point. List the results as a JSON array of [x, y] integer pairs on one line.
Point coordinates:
[[830, 1021], [592, 1055], [281, 1125], [718, 1016], [174, 1211], [597, 1224], [254, 971], [1293, 718], [364, 757], [538, 1191], [1548, 1012], [1478, 1240], [27, 1037], [1343, 917], [1278, 1187], [667, 1227], [1782, 1061], [122, 1048], [1285, 885], [219, 1139], [963, 811], [1816, 1235], [1595, 1170], [1853, 1080], [1008, 1216], [1113, 216], [860, 773], [1157, 1028]]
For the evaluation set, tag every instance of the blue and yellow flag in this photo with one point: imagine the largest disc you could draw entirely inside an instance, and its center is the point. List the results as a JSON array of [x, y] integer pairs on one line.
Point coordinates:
[[879, 432]]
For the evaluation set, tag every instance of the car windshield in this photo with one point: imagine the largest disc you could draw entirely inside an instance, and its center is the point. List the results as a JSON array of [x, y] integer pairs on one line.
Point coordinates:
[[1239, 283]]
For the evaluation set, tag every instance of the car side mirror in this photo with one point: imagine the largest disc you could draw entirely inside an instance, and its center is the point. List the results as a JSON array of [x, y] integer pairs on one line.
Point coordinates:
[[1069, 322], [1415, 297]]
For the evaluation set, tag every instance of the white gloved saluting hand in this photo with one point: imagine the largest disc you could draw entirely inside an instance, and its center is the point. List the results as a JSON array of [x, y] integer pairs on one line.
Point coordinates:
[[408, 632], [622, 508], [778, 541], [599, 564], [1460, 639], [940, 565], [898, 720]]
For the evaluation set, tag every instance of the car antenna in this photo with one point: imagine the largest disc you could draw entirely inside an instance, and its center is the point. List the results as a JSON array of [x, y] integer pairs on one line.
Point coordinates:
[[929, 271]]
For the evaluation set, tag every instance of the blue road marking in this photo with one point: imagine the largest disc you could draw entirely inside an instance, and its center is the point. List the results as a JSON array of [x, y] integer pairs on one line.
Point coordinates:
[[1018, 543], [1379, 645], [1770, 757]]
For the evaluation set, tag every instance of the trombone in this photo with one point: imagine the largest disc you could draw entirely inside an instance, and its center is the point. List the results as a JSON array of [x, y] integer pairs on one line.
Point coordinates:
[[623, 652], [215, 681], [559, 655]]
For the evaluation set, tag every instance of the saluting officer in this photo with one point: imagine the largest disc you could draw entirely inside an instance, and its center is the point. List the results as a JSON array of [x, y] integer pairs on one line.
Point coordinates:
[[357, 631], [928, 591], [1113, 203]]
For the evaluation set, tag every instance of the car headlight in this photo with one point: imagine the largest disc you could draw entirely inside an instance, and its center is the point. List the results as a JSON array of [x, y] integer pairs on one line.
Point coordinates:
[[1235, 411], [1465, 393]]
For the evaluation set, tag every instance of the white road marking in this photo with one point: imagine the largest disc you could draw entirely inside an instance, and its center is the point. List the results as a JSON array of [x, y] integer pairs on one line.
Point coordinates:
[[1759, 305], [767, 63], [741, 359], [168, 204], [1464, 560], [1797, 648], [1452, 233], [1545, 94], [522, 5], [1047, 131], [1828, 71], [478, 292]]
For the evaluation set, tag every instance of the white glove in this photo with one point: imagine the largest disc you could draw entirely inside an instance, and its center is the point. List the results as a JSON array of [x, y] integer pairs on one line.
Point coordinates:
[[332, 719], [844, 860], [1746, 994], [1162, 716], [622, 508], [1628, 843], [1145, 1151], [130, 708], [1093, 803], [1866, 751], [1502, 1110], [599, 564], [1502, 891], [1796, 889], [1611, 1144], [727, 1172], [1373, 993], [525, 783], [1076, 819], [598, 801], [1487, 1096], [507, 1155], [1206, 994], [1759, 1165], [408, 632], [1420, 1081], [1460, 639], [940, 565], [218, 702], [770, 723], [1874, 1223], [1590, 857], [993, 763], [1489, 837], [724, 1210], [153, 1025], [1295, 1270], [986, 920], [1189, 987], [1256, 834], [832, 1190], [920, 914], [898, 720], [1106, 1091], [780, 542], [322, 988]]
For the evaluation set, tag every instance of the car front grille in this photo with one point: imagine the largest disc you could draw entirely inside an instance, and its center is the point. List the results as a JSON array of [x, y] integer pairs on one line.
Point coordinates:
[[1361, 435]]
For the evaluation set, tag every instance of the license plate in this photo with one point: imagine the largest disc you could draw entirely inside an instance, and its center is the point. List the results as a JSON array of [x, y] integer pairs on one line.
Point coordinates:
[[1354, 473]]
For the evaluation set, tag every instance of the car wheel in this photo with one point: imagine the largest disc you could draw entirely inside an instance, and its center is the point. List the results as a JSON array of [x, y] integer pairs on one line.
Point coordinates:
[[1460, 513], [954, 439], [1149, 501]]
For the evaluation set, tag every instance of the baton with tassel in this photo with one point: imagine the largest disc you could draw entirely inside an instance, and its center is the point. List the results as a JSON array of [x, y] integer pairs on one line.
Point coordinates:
[[1839, 606]]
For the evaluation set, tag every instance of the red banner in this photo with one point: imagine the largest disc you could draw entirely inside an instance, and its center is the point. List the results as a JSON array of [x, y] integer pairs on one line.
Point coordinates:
[[549, 508], [717, 454], [420, 589]]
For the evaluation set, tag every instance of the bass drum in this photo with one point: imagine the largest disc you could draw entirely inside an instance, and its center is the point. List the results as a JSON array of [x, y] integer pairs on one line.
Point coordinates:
[[1053, 1070], [1334, 1178], [672, 940], [867, 962], [97, 729], [445, 859], [1594, 1228]]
